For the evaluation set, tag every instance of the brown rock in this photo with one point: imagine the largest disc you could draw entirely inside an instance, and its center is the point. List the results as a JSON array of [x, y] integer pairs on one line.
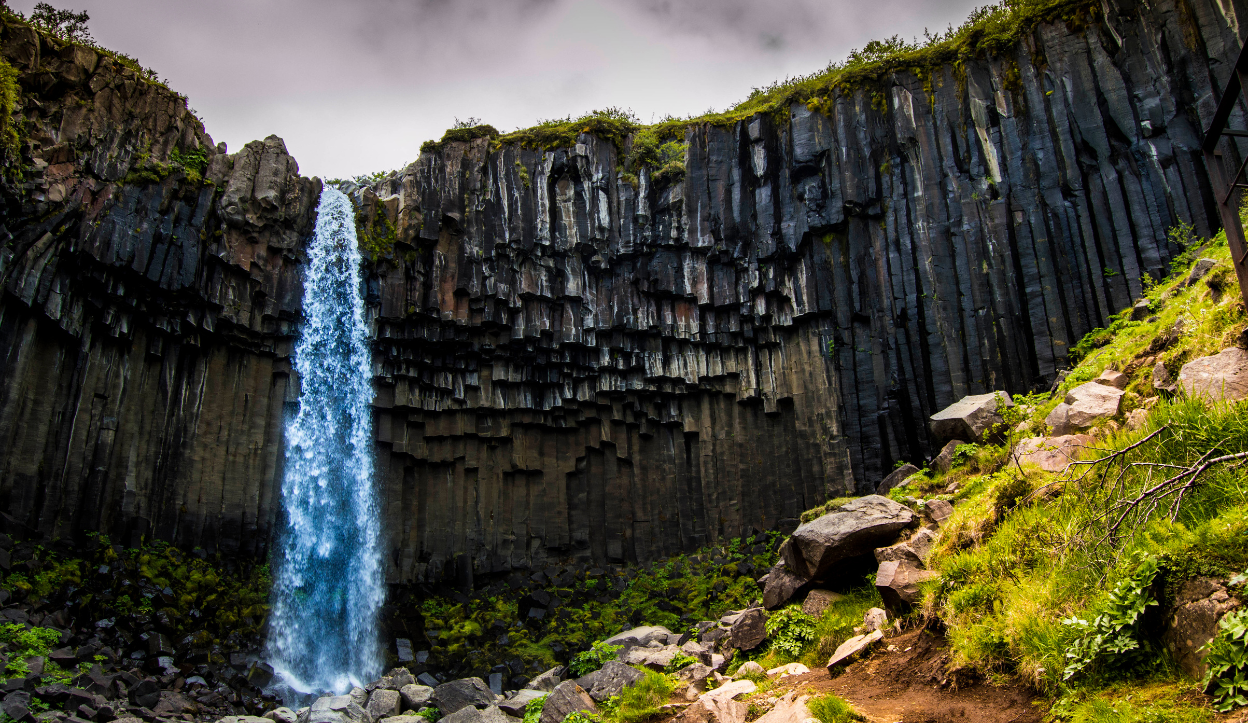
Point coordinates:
[[1053, 454], [938, 510], [1112, 378], [1223, 376], [1199, 606], [565, 699], [819, 600], [944, 460], [1136, 419], [898, 583], [1162, 379], [1091, 402], [789, 709], [384, 703]]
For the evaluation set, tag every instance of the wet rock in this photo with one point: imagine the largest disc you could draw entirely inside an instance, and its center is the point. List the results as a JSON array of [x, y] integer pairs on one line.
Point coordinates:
[[1223, 376], [898, 583], [970, 417], [895, 478], [748, 630], [566, 698], [1053, 454], [855, 645], [819, 600], [281, 714], [856, 528], [1198, 608], [451, 697]]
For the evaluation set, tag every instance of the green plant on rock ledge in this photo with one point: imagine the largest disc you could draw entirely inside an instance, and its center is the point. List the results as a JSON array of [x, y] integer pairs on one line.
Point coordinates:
[[1112, 641], [593, 659], [378, 235], [1227, 658], [790, 630]]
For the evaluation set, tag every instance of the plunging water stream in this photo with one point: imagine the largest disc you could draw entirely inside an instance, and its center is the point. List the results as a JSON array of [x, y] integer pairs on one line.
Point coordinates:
[[327, 587]]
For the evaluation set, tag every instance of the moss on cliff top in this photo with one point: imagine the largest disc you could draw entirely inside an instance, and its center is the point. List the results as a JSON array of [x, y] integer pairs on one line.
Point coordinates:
[[989, 30]]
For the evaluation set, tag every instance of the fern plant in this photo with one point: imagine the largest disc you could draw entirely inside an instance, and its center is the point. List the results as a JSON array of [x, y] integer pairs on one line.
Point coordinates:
[[791, 630], [1227, 659], [593, 659], [1112, 639]]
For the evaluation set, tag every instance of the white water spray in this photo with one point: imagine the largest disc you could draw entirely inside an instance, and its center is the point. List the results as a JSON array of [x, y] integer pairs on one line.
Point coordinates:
[[327, 588]]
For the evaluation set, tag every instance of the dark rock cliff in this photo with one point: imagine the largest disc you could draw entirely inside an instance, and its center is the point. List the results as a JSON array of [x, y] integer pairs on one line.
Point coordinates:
[[569, 365]]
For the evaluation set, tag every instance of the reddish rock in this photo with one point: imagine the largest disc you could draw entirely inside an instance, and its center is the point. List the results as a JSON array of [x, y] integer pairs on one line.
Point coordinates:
[[1223, 376], [1053, 454]]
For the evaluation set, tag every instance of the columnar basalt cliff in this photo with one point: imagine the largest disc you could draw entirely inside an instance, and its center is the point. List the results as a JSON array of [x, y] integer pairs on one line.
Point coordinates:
[[573, 365]]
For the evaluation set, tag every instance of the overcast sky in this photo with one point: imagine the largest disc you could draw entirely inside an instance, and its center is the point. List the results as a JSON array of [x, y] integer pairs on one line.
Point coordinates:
[[356, 86]]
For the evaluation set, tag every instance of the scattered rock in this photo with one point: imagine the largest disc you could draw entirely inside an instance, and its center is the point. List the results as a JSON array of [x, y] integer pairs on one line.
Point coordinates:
[[384, 703], [789, 709], [611, 679], [852, 647], [1200, 269], [714, 710], [337, 709], [1091, 402], [548, 680], [731, 690], [1162, 380], [856, 528], [897, 552], [281, 714], [781, 585], [1053, 454], [1112, 378], [874, 619], [1223, 376], [694, 673], [566, 698], [785, 671], [749, 629], [970, 417], [1141, 310], [895, 478], [1199, 606], [640, 636], [944, 460], [938, 510], [417, 696], [515, 705], [819, 600], [1137, 419], [750, 666], [898, 583], [468, 714], [451, 697], [653, 658]]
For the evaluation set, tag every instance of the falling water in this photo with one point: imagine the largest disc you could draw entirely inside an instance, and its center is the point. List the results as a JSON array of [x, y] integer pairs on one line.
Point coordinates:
[[327, 588]]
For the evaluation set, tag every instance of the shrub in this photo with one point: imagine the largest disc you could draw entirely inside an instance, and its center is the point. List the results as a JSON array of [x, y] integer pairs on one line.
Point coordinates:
[[1112, 640], [831, 709], [1227, 658], [790, 631], [433, 715], [593, 659]]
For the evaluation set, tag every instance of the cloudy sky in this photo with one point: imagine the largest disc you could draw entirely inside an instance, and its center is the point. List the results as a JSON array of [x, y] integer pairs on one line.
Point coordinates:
[[357, 86]]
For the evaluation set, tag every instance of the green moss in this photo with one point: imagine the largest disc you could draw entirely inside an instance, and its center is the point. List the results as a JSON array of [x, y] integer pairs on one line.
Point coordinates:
[[9, 96], [377, 235], [461, 134]]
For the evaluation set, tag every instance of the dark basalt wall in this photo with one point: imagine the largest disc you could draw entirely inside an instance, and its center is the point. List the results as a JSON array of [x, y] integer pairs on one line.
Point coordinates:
[[569, 365]]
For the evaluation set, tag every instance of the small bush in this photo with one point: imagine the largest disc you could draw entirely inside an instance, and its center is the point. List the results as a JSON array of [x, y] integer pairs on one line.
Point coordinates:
[[433, 715], [533, 710], [791, 631], [593, 659], [680, 660], [831, 709], [1227, 678]]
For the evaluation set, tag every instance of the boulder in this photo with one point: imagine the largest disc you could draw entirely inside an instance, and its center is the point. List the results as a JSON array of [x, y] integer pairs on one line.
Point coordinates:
[[337, 709], [548, 680], [394, 680], [748, 667], [852, 647], [610, 680], [1162, 380], [469, 714], [943, 462], [1137, 419], [731, 690], [565, 699], [895, 478], [856, 528], [653, 658], [1223, 376], [789, 709], [970, 417], [714, 710], [694, 673], [642, 636], [515, 705], [416, 696], [1092, 402], [360, 696], [1200, 269], [384, 703], [896, 553], [874, 619], [281, 714], [819, 600], [1053, 454], [749, 630], [922, 542], [451, 697], [781, 585], [1199, 607], [1112, 378], [785, 671], [938, 510], [898, 583]]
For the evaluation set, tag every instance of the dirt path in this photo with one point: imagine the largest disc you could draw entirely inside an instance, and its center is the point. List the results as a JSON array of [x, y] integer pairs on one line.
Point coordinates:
[[908, 684]]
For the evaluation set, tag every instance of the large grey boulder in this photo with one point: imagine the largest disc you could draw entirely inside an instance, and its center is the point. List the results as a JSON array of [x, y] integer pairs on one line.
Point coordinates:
[[856, 528], [970, 417], [1223, 376], [458, 694], [337, 709], [781, 585], [1085, 405], [610, 680], [565, 699], [416, 696], [895, 478], [384, 703], [748, 630], [653, 658]]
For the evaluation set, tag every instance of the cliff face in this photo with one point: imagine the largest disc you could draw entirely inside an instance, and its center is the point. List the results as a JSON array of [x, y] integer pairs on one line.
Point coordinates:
[[147, 315], [569, 365]]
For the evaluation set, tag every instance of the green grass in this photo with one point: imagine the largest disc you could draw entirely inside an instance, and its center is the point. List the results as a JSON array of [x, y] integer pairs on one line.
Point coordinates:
[[643, 699], [831, 709]]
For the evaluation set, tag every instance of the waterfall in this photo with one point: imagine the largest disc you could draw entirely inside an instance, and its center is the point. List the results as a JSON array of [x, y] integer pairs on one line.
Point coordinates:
[[327, 585]]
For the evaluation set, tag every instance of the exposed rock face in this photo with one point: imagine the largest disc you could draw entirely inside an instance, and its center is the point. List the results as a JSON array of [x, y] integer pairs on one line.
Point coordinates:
[[569, 365], [970, 417], [1053, 454], [1198, 608], [1223, 376]]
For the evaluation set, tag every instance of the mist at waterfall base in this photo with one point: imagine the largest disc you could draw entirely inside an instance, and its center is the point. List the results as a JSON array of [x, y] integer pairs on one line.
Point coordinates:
[[327, 585]]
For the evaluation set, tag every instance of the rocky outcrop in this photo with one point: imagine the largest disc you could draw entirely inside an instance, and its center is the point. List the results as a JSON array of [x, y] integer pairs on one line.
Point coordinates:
[[571, 366]]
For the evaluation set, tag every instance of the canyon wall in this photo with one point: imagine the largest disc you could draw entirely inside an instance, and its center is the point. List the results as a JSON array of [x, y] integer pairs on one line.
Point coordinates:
[[570, 365]]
